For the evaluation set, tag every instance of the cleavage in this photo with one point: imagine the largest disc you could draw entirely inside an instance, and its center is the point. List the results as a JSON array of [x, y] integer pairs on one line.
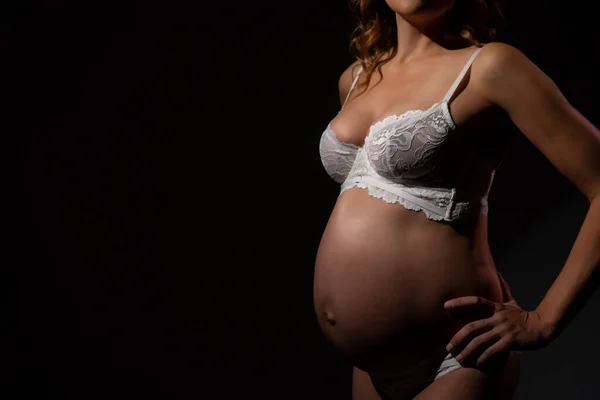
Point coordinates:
[[395, 117]]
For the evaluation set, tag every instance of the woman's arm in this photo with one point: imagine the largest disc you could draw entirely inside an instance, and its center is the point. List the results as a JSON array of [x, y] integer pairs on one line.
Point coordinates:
[[505, 77]]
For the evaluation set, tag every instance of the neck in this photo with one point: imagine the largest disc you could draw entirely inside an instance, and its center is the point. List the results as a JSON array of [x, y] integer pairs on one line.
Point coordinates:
[[416, 39]]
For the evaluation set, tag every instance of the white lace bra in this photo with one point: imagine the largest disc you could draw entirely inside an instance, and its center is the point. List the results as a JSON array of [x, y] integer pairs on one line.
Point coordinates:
[[413, 159]]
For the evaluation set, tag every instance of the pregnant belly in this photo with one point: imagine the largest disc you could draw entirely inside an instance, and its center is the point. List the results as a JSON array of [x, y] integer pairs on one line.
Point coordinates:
[[382, 275]]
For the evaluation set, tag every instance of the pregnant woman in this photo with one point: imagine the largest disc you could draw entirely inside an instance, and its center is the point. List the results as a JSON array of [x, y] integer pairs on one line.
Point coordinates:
[[415, 147]]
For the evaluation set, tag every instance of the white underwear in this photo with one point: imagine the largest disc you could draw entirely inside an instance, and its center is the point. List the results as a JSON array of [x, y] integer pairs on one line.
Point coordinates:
[[448, 365]]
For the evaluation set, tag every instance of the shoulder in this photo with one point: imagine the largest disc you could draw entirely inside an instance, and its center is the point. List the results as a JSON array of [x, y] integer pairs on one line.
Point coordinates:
[[498, 54], [346, 79], [500, 66]]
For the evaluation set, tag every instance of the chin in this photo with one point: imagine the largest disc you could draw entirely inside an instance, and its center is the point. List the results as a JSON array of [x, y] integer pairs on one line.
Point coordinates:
[[420, 7]]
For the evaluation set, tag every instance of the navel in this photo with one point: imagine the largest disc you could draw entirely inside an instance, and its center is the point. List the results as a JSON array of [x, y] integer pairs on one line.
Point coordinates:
[[330, 318]]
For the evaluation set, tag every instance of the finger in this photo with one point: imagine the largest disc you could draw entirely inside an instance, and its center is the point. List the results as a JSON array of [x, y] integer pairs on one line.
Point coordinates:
[[461, 338], [477, 302], [478, 345], [501, 345]]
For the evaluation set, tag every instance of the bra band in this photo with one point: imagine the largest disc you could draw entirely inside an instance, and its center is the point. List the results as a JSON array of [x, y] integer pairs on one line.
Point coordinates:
[[445, 212]]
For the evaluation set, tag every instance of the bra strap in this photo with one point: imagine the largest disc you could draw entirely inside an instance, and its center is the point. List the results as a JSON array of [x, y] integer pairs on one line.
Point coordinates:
[[353, 85], [461, 75]]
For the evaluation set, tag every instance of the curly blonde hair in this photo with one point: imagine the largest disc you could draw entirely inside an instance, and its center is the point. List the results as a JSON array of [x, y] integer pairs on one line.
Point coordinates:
[[374, 41]]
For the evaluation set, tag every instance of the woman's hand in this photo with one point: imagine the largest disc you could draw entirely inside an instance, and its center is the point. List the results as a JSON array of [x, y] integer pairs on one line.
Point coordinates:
[[508, 328]]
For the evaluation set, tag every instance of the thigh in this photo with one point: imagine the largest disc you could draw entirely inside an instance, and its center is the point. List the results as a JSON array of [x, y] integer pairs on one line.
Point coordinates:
[[498, 382], [362, 387]]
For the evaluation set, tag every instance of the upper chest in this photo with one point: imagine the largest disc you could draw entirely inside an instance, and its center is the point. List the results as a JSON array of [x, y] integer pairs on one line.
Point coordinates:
[[404, 98]]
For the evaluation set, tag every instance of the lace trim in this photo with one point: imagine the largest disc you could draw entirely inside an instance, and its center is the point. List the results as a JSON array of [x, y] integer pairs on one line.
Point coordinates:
[[395, 118], [391, 198]]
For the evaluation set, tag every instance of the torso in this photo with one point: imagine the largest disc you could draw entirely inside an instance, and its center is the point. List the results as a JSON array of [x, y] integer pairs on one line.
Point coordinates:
[[382, 271]]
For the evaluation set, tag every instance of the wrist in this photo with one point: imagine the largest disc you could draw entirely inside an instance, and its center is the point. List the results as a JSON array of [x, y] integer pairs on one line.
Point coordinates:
[[548, 323]]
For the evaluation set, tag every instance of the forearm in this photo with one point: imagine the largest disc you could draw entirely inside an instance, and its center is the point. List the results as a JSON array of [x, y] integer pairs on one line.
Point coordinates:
[[578, 279]]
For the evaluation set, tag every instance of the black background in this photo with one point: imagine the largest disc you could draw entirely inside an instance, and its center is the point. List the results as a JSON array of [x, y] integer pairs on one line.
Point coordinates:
[[169, 198]]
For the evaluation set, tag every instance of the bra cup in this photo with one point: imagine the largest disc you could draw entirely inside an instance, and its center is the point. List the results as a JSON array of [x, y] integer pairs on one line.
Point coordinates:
[[408, 147], [337, 157]]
